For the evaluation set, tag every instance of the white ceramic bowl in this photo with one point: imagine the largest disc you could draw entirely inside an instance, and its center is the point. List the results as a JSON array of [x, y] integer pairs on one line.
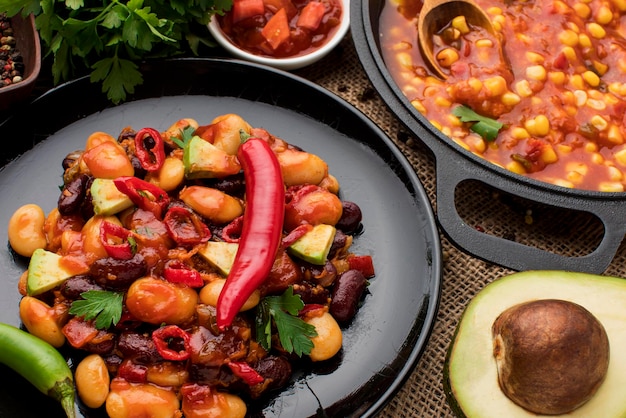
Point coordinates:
[[285, 63]]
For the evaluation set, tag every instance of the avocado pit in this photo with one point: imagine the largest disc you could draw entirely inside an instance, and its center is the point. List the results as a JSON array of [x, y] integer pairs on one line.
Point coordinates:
[[551, 355]]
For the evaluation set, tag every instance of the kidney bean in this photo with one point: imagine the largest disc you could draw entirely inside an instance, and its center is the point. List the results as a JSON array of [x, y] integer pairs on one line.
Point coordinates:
[[351, 217], [346, 295], [72, 195], [339, 243], [74, 286], [311, 294], [323, 275], [275, 368], [232, 185], [139, 347], [112, 273]]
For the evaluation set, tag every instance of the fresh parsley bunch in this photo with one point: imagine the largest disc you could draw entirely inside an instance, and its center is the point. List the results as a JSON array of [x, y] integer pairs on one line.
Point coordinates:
[[107, 39]]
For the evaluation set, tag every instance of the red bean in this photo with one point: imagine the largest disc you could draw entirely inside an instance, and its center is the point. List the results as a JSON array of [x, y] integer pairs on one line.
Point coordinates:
[[346, 295], [350, 218]]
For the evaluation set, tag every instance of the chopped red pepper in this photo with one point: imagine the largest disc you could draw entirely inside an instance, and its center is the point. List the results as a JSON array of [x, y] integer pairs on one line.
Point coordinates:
[[243, 370], [262, 228], [166, 335], [143, 194], [115, 240], [232, 231], [150, 158], [133, 372], [362, 263], [178, 272], [295, 234], [311, 15], [185, 227]]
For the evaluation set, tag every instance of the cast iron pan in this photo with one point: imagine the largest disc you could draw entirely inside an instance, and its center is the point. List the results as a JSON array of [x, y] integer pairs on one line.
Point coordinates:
[[455, 165], [389, 333]]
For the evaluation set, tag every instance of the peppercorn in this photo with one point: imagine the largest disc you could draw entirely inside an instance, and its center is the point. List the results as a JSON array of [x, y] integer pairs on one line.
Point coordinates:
[[11, 61]]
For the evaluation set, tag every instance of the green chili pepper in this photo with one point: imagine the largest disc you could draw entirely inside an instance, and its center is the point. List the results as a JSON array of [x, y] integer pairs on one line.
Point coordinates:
[[39, 363]]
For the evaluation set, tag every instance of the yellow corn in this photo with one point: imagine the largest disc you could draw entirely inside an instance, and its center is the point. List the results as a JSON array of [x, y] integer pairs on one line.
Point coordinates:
[[590, 147], [577, 82], [496, 86], [584, 40], [581, 97], [574, 177], [548, 155], [568, 37], [582, 10], [494, 11], [436, 124], [607, 186], [596, 30], [620, 4], [454, 121], [597, 158], [475, 84], [596, 104], [591, 78], [510, 99], [538, 126], [563, 149], [614, 135], [599, 122], [461, 143], [534, 57], [476, 143], [522, 88], [557, 77], [563, 183], [600, 67], [484, 43], [615, 174], [620, 156], [536, 72], [405, 60], [419, 106], [516, 167], [448, 56], [443, 102], [577, 167], [569, 53], [519, 133], [604, 15], [460, 23]]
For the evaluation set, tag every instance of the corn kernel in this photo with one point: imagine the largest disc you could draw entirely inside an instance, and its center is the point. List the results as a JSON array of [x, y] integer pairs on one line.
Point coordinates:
[[590, 147], [597, 158], [599, 122], [538, 126], [604, 15], [572, 26], [581, 97], [536, 72], [476, 143], [454, 121], [461, 144], [496, 86], [484, 43], [516, 167], [606, 186], [591, 78], [435, 124], [576, 81], [405, 60], [460, 23], [620, 156], [596, 104], [475, 84], [494, 11], [510, 98], [620, 4], [574, 176], [447, 56], [582, 10], [446, 131], [519, 133], [584, 40], [596, 30], [614, 135], [570, 110], [563, 149], [615, 174], [548, 155], [419, 106], [577, 167], [560, 7], [569, 53], [534, 57], [557, 77], [600, 67], [568, 37], [563, 183], [443, 102], [568, 97]]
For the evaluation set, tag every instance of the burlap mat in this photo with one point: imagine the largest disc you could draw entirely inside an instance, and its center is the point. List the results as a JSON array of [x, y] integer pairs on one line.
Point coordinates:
[[423, 395]]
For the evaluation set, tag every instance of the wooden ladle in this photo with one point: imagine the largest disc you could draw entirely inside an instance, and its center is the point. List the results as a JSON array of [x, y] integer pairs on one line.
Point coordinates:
[[436, 14]]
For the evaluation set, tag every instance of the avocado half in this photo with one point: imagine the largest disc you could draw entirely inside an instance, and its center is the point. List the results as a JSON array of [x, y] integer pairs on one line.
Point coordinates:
[[470, 372]]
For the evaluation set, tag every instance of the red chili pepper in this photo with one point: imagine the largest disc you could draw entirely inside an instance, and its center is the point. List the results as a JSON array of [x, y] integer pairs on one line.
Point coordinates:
[[178, 272], [122, 250], [145, 195], [151, 159], [185, 227], [262, 228], [162, 338], [243, 370]]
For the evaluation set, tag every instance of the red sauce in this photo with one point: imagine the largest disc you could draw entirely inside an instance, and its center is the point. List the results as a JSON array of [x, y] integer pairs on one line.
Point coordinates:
[[568, 61], [248, 34]]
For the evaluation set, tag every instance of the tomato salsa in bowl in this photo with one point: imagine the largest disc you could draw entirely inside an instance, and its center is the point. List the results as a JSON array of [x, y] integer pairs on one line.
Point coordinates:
[[285, 34]]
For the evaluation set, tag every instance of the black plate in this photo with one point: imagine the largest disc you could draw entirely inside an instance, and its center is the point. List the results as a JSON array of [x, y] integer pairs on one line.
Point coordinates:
[[390, 331]]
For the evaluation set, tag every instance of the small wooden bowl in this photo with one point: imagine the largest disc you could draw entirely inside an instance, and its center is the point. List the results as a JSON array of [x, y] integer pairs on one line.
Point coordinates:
[[27, 43]]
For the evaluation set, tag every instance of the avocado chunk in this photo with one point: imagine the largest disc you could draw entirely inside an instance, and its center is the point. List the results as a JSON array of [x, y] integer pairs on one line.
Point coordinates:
[[220, 255], [107, 199], [204, 160], [471, 375], [45, 272], [314, 246]]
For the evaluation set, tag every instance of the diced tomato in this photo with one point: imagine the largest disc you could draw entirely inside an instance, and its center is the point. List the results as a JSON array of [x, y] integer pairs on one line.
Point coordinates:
[[311, 15], [79, 332], [276, 30], [363, 263], [243, 9]]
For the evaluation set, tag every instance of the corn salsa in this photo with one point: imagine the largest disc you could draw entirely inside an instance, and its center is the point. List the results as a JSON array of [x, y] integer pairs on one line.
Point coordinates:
[[561, 106]]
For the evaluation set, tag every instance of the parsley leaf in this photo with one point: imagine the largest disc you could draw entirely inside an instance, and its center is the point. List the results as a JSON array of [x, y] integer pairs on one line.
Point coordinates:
[[294, 334], [103, 305], [486, 127], [185, 136]]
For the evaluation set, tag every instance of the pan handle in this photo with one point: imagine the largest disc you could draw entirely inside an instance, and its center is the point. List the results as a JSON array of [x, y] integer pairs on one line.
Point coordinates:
[[511, 254]]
